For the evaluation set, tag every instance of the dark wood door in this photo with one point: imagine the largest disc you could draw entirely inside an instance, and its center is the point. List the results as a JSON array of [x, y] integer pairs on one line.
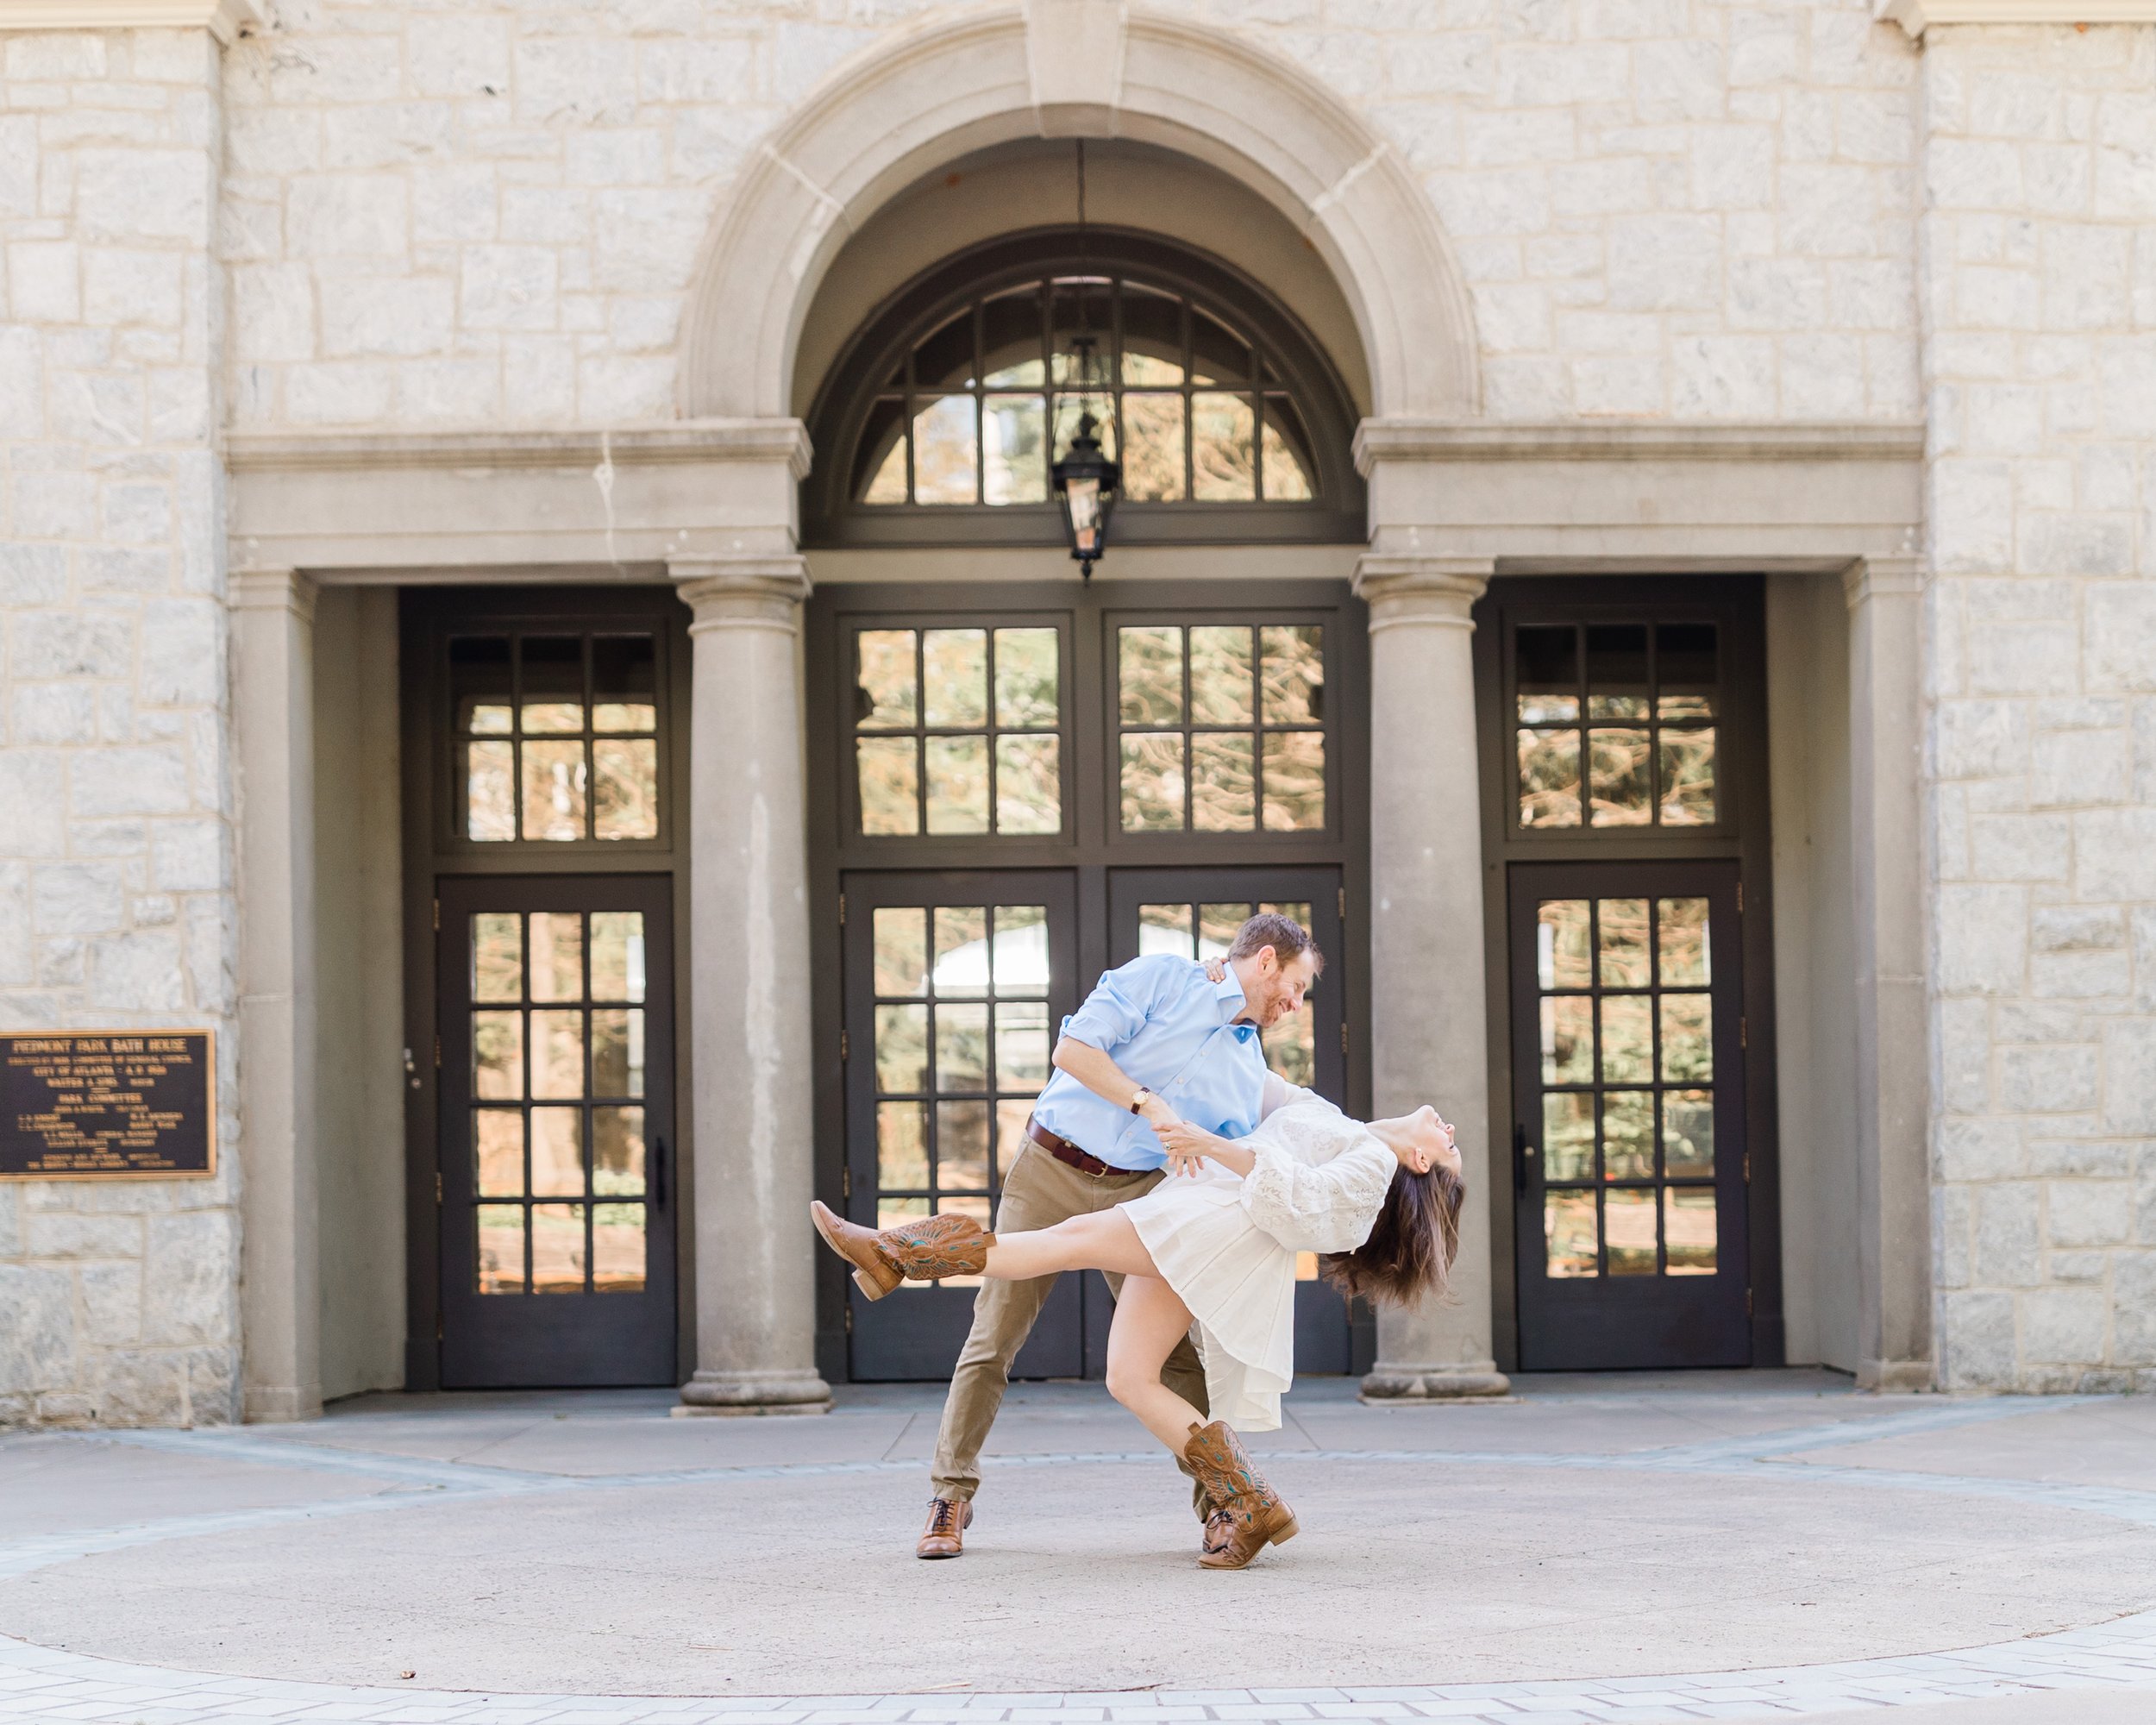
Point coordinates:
[[1630, 1162], [554, 1184], [954, 985], [1196, 911]]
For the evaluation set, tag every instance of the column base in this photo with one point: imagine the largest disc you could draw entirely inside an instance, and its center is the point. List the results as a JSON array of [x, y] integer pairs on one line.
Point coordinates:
[[278, 1405], [745, 1394], [1395, 1386], [1896, 1377]]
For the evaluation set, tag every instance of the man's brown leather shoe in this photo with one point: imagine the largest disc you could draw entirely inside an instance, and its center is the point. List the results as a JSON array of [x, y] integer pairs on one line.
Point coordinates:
[[945, 1534]]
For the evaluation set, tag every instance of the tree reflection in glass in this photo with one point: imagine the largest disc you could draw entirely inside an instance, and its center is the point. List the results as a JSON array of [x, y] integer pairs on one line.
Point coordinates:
[[1248, 752], [958, 731]]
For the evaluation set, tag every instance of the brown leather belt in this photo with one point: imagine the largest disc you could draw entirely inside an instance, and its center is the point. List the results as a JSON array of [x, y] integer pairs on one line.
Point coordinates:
[[1064, 1151]]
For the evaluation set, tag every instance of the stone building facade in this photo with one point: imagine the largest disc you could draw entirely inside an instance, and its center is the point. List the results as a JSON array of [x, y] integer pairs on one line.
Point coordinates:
[[309, 308]]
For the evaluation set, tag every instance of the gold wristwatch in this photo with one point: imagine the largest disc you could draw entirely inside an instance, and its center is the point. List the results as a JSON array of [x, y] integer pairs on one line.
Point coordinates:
[[1137, 1101]]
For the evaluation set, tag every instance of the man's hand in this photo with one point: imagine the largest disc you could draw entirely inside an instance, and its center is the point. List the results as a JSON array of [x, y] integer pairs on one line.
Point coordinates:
[[1158, 1112]]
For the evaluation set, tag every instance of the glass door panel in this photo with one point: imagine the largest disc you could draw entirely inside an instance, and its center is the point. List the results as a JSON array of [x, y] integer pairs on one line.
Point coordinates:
[[556, 1093], [953, 984], [1629, 1115]]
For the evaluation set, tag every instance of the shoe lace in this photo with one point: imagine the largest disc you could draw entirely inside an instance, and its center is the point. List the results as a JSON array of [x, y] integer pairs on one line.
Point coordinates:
[[943, 1516]]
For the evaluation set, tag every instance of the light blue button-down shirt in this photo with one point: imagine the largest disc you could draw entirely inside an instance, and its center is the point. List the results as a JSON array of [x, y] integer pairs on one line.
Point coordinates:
[[1171, 1029]]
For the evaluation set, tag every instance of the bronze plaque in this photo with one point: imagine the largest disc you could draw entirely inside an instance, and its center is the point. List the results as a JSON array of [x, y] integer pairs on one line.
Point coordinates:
[[108, 1105]]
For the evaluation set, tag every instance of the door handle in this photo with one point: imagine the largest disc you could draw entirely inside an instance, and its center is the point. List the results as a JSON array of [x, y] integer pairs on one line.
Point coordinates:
[[658, 1171], [1522, 1154]]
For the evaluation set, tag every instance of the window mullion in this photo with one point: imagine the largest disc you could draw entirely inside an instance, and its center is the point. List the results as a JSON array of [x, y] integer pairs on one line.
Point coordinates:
[[587, 740], [988, 659], [1654, 733], [517, 732], [920, 732], [1190, 736], [1587, 740]]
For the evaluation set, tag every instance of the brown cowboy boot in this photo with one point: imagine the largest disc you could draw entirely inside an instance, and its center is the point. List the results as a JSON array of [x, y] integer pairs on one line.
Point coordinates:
[[920, 1252], [1257, 1515], [945, 1534]]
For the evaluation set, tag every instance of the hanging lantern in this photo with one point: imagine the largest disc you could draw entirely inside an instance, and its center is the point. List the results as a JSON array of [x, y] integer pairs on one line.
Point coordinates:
[[1086, 480]]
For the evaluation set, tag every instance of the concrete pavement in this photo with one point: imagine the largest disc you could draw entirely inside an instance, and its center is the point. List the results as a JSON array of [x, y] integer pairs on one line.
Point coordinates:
[[1600, 1549]]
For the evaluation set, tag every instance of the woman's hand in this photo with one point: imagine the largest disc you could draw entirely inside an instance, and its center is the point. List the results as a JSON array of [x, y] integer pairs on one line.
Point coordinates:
[[1188, 1145], [1216, 969]]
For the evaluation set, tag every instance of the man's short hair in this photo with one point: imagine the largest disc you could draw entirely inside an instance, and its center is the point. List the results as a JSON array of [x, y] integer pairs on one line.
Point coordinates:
[[1288, 938]]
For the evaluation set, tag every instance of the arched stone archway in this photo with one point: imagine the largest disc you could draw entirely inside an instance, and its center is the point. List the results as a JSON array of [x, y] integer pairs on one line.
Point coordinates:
[[1066, 68], [951, 86]]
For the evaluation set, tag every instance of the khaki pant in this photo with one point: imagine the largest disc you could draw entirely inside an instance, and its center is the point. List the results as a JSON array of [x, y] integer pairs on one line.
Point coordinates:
[[1039, 1192]]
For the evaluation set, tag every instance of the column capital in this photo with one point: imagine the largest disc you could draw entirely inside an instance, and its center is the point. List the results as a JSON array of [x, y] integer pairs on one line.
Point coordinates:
[[289, 590], [742, 593], [1870, 578], [1406, 588]]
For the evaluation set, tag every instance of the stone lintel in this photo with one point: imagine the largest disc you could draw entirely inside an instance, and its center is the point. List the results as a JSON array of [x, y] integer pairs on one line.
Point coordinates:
[[1594, 497], [576, 504], [223, 19], [670, 442], [1406, 439], [1918, 16]]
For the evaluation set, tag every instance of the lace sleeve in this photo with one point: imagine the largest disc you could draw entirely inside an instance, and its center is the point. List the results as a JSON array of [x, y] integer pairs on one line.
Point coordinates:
[[1331, 1207]]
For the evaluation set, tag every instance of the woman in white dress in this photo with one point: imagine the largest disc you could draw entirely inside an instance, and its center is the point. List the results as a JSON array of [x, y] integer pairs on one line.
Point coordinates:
[[1215, 1244]]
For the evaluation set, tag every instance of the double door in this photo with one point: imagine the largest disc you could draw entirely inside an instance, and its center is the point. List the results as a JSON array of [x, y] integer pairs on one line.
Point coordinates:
[[955, 984]]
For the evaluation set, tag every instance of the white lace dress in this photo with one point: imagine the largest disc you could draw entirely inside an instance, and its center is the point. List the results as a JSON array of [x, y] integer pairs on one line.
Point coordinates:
[[1227, 1244]]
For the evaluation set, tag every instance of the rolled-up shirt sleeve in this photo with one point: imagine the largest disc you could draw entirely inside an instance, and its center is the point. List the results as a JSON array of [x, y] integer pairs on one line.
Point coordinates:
[[1123, 1000]]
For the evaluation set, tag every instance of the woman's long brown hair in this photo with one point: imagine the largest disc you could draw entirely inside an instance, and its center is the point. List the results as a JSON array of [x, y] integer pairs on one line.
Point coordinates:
[[1408, 1255]]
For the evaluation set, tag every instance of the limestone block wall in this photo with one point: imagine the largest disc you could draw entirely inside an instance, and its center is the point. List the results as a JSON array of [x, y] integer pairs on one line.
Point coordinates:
[[491, 212], [117, 1301], [2040, 234]]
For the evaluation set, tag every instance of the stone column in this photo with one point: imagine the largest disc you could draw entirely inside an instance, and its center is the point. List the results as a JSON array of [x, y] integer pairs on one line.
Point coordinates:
[[1428, 1034], [1886, 731], [280, 1293], [748, 992]]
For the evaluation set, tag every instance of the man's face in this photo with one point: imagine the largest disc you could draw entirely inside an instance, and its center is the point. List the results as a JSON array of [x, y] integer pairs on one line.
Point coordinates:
[[1273, 991]]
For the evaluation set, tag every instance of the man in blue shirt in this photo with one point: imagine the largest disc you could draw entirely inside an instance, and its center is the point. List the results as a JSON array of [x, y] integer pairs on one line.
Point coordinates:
[[1157, 1041]]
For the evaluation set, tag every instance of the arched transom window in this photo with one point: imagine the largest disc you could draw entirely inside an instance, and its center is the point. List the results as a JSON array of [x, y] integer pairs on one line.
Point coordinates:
[[1190, 406], [952, 403]]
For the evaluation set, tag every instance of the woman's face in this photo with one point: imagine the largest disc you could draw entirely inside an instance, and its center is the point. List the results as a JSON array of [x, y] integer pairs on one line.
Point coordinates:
[[1422, 1141]]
